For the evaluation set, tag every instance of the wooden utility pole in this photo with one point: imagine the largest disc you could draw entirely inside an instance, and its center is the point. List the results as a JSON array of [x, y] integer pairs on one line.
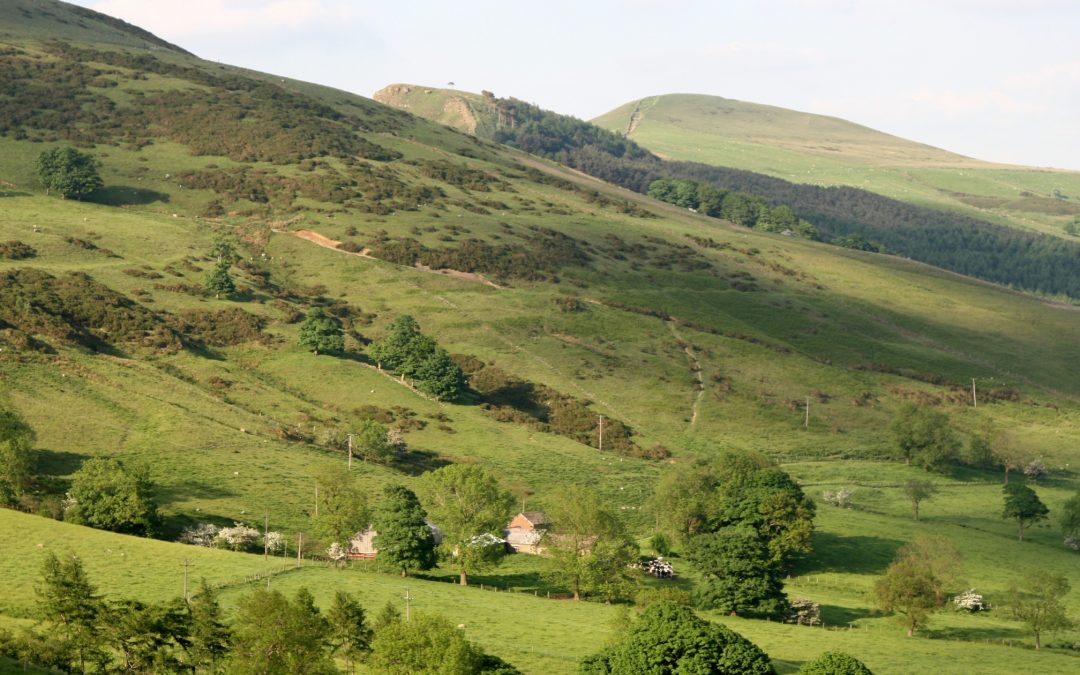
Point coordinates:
[[299, 547], [350, 450], [186, 564], [806, 423], [974, 400], [601, 433], [316, 499], [408, 599]]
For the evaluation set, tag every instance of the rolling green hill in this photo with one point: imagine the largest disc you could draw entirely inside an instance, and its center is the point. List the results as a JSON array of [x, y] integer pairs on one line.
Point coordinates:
[[820, 150], [693, 334]]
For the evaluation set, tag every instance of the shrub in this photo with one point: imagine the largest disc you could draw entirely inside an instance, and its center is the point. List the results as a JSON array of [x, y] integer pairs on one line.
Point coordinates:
[[835, 663], [16, 250]]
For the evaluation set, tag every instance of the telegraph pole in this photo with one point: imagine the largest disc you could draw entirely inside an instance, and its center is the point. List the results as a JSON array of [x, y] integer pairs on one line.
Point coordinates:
[[186, 564], [408, 599], [266, 531], [601, 433], [974, 401], [806, 423], [350, 451]]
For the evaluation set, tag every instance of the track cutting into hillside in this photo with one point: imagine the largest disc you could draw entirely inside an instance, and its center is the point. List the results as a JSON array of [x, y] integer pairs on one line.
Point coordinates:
[[695, 368], [334, 245]]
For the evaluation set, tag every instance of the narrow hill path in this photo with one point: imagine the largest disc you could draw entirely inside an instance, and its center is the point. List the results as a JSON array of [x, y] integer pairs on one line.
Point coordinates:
[[695, 368], [327, 242]]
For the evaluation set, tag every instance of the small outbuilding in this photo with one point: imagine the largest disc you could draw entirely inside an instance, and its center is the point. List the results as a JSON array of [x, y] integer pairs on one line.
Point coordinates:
[[524, 534], [362, 544]]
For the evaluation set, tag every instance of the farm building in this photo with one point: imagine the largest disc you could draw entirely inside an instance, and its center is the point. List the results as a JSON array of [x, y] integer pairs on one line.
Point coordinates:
[[362, 544], [524, 533]]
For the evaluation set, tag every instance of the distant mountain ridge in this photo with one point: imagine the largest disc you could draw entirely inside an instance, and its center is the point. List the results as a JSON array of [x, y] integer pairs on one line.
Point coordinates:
[[741, 122], [844, 212]]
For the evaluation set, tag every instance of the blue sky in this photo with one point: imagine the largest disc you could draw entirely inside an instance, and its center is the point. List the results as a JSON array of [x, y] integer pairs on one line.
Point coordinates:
[[993, 79]]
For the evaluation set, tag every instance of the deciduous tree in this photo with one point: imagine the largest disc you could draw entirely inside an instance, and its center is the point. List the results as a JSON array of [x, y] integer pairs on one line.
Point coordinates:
[[17, 458], [342, 510], [1037, 601], [109, 495], [1023, 505], [924, 436], [918, 491], [466, 502], [68, 172], [739, 574], [915, 584], [588, 545], [669, 639]]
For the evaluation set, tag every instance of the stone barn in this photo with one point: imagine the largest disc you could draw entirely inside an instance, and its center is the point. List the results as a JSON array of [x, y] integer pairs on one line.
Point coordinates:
[[362, 544], [524, 533]]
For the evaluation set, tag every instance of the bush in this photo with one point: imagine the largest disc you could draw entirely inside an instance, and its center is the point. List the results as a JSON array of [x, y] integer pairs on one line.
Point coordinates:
[[16, 250], [835, 663]]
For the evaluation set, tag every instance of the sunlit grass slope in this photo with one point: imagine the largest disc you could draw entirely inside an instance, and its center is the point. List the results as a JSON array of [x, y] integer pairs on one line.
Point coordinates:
[[808, 148]]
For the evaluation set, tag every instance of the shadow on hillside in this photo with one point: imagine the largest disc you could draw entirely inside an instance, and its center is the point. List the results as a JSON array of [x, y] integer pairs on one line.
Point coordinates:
[[992, 633], [856, 555], [415, 462], [58, 462], [13, 193], [834, 615], [125, 195], [191, 489]]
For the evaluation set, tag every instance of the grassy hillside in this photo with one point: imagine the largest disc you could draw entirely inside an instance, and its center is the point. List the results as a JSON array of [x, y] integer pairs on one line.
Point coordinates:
[[822, 150], [694, 334]]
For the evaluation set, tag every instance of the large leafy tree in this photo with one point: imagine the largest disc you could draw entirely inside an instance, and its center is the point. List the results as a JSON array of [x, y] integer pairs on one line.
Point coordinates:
[[925, 437], [342, 506], [109, 495], [17, 457], [68, 172], [404, 540], [753, 494], [1037, 601], [670, 639], [371, 442], [684, 500], [915, 584], [470, 506], [588, 545], [273, 635], [739, 574], [1023, 505], [321, 332]]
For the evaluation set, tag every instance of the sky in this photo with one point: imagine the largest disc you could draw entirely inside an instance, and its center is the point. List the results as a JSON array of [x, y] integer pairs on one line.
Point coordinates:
[[994, 79]]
